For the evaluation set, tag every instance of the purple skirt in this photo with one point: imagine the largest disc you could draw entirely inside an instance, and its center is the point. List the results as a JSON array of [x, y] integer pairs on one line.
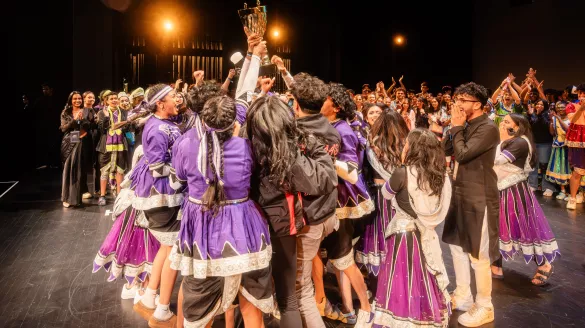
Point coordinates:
[[128, 249], [373, 244], [235, 241], [523, 226], [353, 200], [407, 292]]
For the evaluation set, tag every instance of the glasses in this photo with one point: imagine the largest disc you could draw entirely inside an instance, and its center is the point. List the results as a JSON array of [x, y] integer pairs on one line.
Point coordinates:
[[462, 100]]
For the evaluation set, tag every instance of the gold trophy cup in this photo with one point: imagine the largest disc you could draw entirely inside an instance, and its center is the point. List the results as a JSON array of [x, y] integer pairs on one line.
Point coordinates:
[[255, 20]]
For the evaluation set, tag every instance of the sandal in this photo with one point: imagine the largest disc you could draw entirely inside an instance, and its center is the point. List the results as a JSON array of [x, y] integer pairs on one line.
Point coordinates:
[[543, 276]]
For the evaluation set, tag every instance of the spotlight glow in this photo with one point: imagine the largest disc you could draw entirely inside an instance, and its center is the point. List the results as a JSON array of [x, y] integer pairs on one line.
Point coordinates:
[[168, 25], [276, 33]]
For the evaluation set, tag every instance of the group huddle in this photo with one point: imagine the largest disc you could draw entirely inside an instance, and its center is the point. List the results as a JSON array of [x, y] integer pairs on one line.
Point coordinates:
[[248, 197]]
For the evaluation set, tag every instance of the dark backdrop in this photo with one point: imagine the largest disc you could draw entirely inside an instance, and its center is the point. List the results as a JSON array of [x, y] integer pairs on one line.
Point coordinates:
[[76, 44]]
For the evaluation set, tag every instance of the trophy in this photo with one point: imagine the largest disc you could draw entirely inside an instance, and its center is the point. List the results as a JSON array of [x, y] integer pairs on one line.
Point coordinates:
[[255, 20]]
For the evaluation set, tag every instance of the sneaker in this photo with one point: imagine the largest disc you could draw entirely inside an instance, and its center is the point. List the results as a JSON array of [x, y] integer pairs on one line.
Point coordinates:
[[138, 297], [476, 316], [547, 193], [129, 293], [561, 196], [461, 303], [102, 201], [87, 195], [579, 198], [572, 204], [364, 319], [66, 205]]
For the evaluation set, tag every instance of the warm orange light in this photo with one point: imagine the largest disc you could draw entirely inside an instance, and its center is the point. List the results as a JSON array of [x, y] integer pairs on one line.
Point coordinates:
[[168, 25], [399, 40], [276, 33]]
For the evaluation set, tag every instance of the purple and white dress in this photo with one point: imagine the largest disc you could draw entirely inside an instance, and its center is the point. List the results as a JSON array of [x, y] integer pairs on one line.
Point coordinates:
[[523, 226], [223, 253], [353, 200], [129, 247], [412, 283], [372, 247]]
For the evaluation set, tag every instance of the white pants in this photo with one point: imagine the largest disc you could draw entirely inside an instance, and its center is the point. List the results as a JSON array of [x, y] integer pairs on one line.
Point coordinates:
[[481, 267]]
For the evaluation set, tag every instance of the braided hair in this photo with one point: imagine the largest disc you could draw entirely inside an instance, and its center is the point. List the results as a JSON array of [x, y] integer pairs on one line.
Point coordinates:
[[218, 113]]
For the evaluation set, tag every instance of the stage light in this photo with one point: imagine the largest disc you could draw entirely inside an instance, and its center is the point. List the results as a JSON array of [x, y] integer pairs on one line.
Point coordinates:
[[276, 33], [399, 40], [168, 25]]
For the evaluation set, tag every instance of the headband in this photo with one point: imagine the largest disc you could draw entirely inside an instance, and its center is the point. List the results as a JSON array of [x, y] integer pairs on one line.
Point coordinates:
[[160, 95]]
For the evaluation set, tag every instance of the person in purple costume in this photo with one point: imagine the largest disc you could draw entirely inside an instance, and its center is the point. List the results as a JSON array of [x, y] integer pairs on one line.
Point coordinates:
[[158, 200], [522, 226], [412, 284], [387, 138], [223, 249], [353, 200]]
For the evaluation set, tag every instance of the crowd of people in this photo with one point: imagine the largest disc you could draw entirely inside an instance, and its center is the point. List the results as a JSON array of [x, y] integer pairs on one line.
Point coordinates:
[[252, 196]]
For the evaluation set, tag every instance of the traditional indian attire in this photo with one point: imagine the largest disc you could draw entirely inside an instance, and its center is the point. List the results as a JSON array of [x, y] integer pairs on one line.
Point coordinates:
[[559, 171], [471, 226], [76, 154], [113, 146], [130, 246], [223, 253], [523, 226], [412, 284], [373, 245]]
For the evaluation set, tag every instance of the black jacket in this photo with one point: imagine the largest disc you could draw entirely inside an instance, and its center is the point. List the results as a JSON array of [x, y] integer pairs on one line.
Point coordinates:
[[312, 175], [318, 208]]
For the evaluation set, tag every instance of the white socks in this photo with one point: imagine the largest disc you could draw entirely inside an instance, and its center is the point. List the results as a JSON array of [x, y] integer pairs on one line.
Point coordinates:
[[148, 298], [162, 312]]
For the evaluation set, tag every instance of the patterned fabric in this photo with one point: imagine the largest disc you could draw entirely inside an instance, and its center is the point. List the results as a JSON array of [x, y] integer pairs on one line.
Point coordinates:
[[523, 226]]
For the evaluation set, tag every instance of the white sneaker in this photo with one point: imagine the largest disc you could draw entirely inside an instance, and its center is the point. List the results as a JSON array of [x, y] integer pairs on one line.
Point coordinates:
[[547, 193], [364, 319], [138, 297], [579, 198], [129, 293], [476, 316], [572, 204], [561, 196], [87, 196], [461, 303], [66, 205]]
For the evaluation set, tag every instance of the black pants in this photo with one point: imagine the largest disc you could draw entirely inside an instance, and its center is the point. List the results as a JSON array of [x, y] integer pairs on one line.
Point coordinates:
[[284, 269]]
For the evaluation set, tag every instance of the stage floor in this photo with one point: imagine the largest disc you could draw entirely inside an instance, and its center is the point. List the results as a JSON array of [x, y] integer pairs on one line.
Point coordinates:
[[46, 254]]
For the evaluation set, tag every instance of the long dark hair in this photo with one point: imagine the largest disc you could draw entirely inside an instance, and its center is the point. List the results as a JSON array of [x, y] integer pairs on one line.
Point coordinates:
[[275, 139], [69, 105], [387, 138], [218, 113], [428, 157], [524, 129]]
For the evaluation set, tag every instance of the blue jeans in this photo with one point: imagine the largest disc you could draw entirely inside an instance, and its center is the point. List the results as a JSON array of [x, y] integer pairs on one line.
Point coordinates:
[[543, 152]]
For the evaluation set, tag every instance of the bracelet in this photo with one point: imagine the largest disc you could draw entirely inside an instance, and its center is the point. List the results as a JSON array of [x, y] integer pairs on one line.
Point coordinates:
[[249, 54]]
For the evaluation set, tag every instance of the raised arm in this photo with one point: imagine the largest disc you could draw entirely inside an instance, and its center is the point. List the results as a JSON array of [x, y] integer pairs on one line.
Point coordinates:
[[286, 76], [226, 85]]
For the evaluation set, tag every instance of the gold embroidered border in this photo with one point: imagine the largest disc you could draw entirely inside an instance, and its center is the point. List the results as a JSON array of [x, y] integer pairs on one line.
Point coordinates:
[[223, 267]]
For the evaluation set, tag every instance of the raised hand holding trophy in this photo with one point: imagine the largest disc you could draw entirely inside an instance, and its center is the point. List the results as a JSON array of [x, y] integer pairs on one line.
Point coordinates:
[[255, 20]]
